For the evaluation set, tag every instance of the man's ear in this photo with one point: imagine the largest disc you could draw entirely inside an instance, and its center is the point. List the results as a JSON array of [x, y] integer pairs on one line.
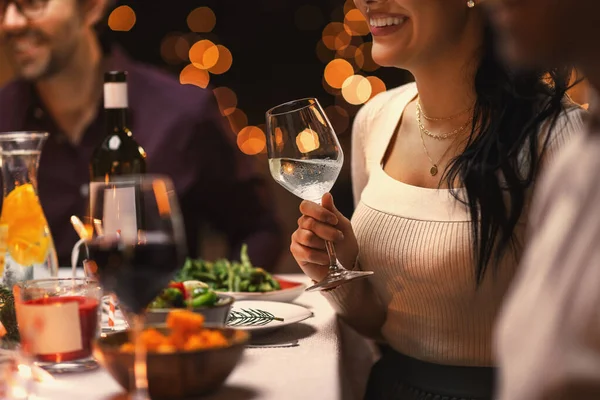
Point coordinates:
[[94, 11]]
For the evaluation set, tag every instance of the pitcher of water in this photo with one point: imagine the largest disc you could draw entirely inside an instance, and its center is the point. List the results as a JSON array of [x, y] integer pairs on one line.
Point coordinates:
[[25, 239]]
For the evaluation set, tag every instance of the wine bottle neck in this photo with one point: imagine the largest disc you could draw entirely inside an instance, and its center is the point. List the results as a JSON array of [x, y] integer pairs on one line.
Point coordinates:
[[116, 120]]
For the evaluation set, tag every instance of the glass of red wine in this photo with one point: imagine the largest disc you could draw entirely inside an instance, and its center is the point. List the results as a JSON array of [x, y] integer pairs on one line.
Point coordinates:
[[137, 247]]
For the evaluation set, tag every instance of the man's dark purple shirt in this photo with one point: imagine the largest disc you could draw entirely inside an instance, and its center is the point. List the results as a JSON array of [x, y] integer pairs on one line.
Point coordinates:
[[185, 138]]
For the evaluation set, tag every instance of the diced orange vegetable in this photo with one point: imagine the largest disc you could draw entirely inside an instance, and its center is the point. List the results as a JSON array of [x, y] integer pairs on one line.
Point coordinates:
[[166, 348], [187, 334], [184, 321], [178, 339]]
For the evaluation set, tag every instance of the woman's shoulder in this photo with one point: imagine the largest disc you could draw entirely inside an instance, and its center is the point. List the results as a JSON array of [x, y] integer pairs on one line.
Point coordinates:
[[556, 132], [570, 122], [573, 117], [384, 103]]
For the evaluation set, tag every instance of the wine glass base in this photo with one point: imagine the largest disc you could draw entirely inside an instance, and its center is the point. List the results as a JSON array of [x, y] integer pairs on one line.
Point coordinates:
[[334, 280], [83, 365]]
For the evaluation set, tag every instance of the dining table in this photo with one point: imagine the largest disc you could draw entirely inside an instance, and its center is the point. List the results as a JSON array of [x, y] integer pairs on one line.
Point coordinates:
[[325, 360]]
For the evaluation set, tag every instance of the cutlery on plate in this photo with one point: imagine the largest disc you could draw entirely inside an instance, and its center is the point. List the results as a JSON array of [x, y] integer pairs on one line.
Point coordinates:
[[293, 343]]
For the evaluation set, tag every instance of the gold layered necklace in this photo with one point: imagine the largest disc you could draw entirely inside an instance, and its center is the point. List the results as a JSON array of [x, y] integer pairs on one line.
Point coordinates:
[[444, 136], [441, 136]]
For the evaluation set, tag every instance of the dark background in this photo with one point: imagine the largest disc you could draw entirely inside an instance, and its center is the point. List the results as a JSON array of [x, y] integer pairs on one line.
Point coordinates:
[[274, 48]]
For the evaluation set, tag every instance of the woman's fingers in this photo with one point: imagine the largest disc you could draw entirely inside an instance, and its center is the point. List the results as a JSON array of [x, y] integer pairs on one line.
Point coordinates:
[[322, 230], [317, 212], [305, 255], [308, 239]]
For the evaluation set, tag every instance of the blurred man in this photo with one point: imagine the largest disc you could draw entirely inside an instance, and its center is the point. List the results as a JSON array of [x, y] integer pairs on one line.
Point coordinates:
[[60, 60], [549, 332]]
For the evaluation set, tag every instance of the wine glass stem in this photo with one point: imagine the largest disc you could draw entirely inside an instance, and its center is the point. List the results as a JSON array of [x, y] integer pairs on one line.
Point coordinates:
[[140, 392], [333, 265]]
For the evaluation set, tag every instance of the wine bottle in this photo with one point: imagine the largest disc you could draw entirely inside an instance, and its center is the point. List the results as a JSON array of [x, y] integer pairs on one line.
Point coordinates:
[[119, 153]]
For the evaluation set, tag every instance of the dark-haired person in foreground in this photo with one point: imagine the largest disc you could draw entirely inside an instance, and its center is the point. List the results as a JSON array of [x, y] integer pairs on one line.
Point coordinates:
[[443, 172], [60, 59], [549, 330]]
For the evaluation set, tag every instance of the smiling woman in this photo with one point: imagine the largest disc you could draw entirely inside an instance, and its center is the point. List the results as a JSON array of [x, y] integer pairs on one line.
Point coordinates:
[[443, 171]]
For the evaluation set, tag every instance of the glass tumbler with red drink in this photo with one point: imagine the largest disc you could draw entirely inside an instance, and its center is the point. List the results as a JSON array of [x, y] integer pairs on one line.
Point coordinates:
[[58, 321]]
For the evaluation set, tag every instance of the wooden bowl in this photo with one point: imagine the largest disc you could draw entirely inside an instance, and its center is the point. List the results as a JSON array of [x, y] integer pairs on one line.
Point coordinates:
[[177, 375]]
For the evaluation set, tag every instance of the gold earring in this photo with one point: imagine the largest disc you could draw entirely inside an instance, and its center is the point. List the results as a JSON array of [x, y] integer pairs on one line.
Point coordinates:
[[471, 3]]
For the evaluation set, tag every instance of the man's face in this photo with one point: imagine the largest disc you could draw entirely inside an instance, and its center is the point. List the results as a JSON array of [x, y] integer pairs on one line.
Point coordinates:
[[540, 32], [41, 35]]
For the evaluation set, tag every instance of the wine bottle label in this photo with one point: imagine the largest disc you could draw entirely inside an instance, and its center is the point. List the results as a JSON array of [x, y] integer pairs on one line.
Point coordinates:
[[115, 95], [55, 328], [119, 215]]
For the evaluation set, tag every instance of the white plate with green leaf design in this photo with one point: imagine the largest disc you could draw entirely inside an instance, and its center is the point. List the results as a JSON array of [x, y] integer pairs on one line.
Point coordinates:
[[265, 316]]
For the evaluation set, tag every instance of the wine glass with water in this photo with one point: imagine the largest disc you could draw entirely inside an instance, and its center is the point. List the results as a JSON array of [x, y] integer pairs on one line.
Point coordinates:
[[141, 246], [305, 157]]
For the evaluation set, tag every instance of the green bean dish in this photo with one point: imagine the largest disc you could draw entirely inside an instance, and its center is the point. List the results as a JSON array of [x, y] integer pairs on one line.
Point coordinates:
[[229, 276]]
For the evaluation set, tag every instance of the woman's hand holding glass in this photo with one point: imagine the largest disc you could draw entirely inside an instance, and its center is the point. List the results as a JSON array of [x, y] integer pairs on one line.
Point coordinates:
[[317, 224]]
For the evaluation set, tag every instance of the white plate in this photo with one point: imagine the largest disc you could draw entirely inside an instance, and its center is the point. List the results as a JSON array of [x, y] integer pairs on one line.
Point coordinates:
[[290, 292], [263, 311]]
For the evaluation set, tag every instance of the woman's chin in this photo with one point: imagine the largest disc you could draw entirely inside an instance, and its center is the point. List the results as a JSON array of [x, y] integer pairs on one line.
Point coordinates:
[[389, 58], [390, 62]]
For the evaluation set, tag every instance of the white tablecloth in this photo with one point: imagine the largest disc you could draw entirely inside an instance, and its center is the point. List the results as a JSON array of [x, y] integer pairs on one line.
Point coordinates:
[[331, 362]]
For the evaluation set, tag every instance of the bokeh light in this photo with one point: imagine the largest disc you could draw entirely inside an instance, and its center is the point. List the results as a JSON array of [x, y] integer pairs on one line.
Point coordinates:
[[352, 109], [167, 49], [349, 5], [251, 140], [122, 19], [337, 71], [182, 48], [356, 89], [309, 18], [191, 75], [342, 40], [204, 54], [348, 52], [339, 118], [237, 120], [323, 53], [355, 23], [331, 32], [329, 89], [201, 20], [319, 116], [278, 138], [224, 61], [364, 60], [377, 86], [263, 127], [307, 141], [226, 99]]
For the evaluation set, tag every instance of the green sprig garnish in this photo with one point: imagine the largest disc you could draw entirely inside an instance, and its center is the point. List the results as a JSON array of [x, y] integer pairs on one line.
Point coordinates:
[[251, 317]]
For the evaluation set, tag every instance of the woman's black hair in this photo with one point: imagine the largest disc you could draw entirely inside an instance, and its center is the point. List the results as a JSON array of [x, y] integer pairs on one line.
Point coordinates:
[[510, 109]]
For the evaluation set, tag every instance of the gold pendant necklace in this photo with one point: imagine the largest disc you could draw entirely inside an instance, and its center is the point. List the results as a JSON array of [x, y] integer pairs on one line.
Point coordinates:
[[434, 166]]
